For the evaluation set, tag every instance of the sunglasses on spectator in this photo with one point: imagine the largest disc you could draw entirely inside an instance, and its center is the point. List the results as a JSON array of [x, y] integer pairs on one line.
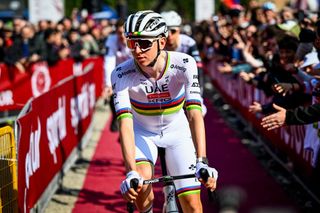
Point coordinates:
[[173, 31], [143, 44]]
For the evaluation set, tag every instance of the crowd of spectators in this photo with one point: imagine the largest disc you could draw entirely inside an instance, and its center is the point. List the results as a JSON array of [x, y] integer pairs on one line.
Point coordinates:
[[265, 46], [274, 50], [23, 43]]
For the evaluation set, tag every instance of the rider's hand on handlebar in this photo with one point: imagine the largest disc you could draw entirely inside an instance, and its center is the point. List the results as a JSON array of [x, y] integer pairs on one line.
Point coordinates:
[[213, 175], [127, 191]]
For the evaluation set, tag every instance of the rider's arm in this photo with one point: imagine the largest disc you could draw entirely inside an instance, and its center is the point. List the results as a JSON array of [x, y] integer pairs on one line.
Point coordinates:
[[124, 116], [198, 131], [193, 107], [127, 143]]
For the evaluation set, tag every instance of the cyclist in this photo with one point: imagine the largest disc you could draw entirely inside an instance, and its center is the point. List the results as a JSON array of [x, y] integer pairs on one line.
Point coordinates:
[[116, 53], [150, 91], [177, 41]]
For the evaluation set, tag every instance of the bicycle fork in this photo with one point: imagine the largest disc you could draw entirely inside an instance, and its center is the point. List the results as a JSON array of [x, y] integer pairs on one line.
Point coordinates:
[[170, 204]]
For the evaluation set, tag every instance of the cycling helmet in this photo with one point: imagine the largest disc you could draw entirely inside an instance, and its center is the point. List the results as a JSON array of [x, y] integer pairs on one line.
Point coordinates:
[[172, 18], [145, 24]]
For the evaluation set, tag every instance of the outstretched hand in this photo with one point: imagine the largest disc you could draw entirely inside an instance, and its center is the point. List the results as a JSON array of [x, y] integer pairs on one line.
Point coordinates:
[[274, 120]]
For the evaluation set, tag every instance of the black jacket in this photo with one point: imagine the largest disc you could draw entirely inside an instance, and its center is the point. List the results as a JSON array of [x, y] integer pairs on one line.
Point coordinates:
[[303, 115]]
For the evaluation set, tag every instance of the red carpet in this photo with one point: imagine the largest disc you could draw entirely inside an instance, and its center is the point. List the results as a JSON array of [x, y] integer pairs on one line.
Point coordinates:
[[101, 189], [236, 166]]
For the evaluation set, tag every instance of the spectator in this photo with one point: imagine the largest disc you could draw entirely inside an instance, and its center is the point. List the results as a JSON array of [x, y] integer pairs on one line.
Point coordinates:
[[298, 116], [56, 47], [116, 53], [89, 42], [25, 50], [183, 43], [287, 91], [77, 51]]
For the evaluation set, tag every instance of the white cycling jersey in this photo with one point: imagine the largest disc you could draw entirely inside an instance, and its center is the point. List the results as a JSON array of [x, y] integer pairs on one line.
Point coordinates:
[[116, 53], [189, 46], [158, 115], [156, 104]]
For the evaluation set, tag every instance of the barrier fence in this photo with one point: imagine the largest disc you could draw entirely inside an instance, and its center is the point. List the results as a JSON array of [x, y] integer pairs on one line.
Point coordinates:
[[8, 171], [51, 128], [17, 88], [294, 141]]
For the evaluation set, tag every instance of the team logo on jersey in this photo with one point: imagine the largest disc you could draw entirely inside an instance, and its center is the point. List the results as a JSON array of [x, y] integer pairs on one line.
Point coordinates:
[[195, 84], [158, 94], [183, 69], [120, 75], [167, 79], [192, 167], [195, 92], [118, 69], [185, 60]]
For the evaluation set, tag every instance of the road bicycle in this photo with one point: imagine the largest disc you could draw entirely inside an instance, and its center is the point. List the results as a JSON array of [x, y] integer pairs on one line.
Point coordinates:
[[169, 191]]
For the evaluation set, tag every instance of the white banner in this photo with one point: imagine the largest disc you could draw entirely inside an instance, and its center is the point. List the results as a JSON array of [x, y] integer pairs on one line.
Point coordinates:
[[204, 9], [52, 10]]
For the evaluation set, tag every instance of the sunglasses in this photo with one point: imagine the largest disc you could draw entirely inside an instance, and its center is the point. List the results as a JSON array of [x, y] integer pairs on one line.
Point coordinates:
[[143, 44], [173, 31]]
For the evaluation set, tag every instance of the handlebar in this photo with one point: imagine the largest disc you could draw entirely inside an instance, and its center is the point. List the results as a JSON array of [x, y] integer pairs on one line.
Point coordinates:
[[165, 179], [133, 184], [204, 176]]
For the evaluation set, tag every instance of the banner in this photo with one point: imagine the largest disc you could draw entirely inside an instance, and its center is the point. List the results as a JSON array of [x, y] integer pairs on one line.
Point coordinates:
[[52, 10], [17, 88], [50, 130]]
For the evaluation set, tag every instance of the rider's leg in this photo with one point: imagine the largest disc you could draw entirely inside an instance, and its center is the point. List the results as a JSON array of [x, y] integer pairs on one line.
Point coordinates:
[[146, 156], [181, 160], [145, 198], [191, 203]]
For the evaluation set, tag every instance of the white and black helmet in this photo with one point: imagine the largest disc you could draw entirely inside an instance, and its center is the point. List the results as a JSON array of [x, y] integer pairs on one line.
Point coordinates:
[[172, 18], [145, 23]]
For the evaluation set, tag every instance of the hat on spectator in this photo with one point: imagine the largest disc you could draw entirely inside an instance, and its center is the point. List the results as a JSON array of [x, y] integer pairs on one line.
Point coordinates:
[[269, 6], [8, 26], [172, 18], [290, 26], [310, 59]]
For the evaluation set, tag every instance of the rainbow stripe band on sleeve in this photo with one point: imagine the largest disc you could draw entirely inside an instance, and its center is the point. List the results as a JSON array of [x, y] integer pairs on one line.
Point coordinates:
[[124, 113], [188, 190], [193, 104]]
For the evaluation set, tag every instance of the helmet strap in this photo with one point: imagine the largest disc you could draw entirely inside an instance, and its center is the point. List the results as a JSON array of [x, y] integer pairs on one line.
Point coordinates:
[[152, 63]]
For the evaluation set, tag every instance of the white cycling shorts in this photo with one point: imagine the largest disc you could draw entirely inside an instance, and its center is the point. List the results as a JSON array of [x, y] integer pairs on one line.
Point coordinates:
[[180, 154]]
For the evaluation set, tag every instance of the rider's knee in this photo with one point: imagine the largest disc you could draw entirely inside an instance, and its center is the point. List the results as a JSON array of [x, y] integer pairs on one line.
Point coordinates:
[[145, 200], [191, 204]]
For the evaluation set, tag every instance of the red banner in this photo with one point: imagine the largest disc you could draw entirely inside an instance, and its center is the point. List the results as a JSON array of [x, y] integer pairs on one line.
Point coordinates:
[[50, 130], [290, 140], [17, 88]]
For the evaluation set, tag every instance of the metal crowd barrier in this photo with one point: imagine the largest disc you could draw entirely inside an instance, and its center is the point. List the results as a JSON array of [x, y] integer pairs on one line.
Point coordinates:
[[8, 171]]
